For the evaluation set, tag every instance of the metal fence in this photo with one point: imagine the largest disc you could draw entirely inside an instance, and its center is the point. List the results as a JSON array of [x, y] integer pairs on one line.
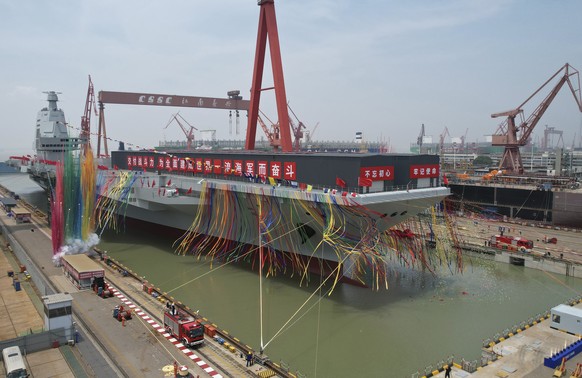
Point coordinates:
[[35, 342], [35, 273]]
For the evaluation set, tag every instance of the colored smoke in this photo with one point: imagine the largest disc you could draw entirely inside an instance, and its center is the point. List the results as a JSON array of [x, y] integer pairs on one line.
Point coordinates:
[[75, 247]]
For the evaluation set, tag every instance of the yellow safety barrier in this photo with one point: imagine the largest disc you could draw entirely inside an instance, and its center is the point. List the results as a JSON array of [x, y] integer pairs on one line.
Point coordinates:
[[266, 373]]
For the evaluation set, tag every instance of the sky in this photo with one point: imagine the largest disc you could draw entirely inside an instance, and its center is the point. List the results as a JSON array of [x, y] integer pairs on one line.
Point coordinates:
[[381, 67]]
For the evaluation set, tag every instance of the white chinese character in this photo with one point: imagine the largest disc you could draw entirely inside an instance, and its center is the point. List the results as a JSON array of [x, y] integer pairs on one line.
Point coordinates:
[[262, 169], [276, 170], [250, 168], [289, 172]]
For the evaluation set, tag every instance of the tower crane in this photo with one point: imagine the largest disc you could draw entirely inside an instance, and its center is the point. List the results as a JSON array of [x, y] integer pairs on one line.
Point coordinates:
[[514, 136], [189, 133]]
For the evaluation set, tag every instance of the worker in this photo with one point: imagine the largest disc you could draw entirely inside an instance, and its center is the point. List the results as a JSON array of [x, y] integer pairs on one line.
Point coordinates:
[[448, 371], [249, 358]]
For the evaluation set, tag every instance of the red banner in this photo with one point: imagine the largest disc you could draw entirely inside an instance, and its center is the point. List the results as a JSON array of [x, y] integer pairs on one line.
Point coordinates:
[[424, 171], [262, 168], [377, 173]]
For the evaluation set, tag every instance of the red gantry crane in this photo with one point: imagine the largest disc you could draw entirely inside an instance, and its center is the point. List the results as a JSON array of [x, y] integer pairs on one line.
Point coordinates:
[[514, 136], [189, 133], [86, 118], [268, 28]]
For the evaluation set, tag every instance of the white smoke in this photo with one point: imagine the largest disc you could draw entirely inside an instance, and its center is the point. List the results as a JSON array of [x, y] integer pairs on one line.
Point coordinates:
[[76, 246]]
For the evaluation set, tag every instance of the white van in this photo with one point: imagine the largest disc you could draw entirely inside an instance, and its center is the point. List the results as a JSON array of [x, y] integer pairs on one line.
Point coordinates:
[[14, 363]]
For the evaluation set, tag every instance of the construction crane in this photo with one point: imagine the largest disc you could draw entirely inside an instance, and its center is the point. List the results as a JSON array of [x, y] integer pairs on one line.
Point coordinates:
[[420, 138], [513, 136], [549, 131], [442, 141], [268, 28], [297, 130], [463, 143], [86, 118], [272, 134], [309, 133], [189, 133]]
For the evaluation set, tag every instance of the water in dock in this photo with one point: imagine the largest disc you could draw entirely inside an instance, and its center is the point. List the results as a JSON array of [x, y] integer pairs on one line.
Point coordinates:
[[418, 321]]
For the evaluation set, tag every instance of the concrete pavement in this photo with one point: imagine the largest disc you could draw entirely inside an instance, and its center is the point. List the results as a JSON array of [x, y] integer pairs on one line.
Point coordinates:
[[134, 349]]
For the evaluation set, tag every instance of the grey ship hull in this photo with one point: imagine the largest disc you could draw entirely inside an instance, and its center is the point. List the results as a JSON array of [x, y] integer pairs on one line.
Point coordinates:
[[383, 209]]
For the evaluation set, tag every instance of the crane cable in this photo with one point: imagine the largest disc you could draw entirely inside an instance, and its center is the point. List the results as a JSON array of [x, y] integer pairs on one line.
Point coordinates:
[[340, 264], [233, 260]]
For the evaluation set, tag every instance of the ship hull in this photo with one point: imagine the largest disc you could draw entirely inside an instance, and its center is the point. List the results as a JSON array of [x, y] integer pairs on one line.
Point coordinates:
[[282, 220]]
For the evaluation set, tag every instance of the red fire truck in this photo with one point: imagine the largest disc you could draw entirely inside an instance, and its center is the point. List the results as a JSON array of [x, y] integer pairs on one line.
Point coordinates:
[[512, 243], [183, 327]]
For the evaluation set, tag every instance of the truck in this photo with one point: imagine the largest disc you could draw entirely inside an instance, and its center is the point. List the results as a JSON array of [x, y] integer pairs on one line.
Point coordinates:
[[512, 243], [183, 326]]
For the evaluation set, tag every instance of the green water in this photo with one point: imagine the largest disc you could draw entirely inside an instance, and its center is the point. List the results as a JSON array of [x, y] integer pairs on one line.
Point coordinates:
[[419, 321]]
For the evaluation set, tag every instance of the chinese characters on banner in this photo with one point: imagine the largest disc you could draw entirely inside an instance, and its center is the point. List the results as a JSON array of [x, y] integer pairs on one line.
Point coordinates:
[[377, 173], [286, 170], [279, 170], [424, 171]]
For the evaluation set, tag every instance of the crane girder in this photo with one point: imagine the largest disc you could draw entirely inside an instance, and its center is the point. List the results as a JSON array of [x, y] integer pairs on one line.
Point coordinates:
[[509, 113]]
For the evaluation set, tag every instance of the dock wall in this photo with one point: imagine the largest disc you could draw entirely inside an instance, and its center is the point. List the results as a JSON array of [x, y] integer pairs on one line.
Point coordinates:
[[528, 260], [551, 265]]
